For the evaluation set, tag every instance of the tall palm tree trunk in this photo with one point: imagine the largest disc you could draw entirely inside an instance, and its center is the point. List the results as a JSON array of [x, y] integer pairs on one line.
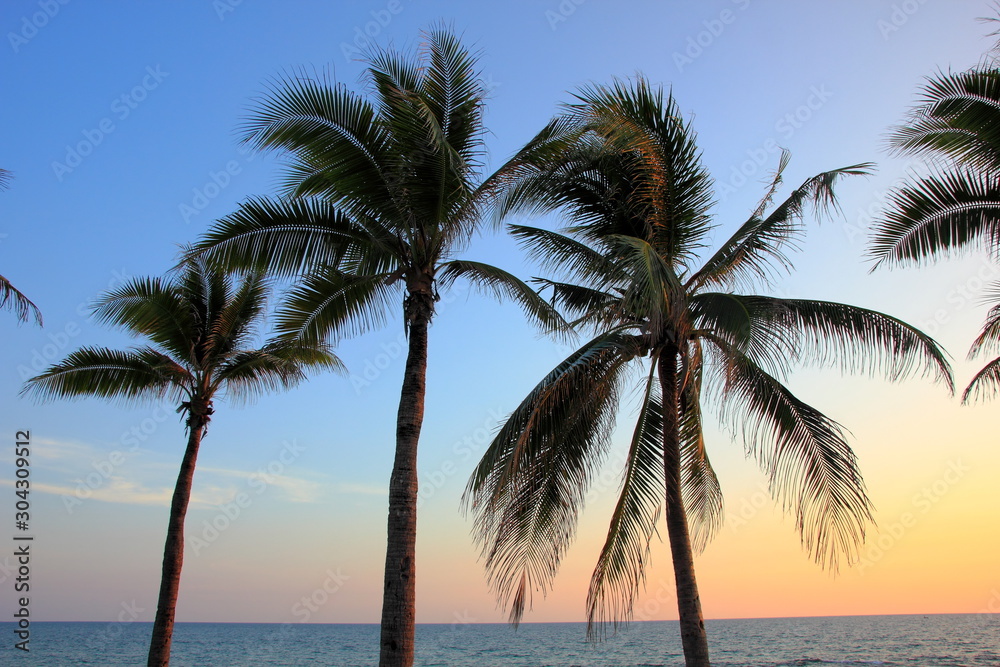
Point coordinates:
[[399, 594], [173, 551], [693, 636]]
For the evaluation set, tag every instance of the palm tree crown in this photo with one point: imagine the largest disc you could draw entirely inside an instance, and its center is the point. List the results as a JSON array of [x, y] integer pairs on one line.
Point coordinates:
[[957, 207], [624, 168], [381, 195], [200, 326]]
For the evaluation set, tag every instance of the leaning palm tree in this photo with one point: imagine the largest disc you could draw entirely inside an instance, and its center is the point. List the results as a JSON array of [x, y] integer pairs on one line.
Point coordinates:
[[10, 297], [623, 167], [200, 325], [380, 197], [957, 207]]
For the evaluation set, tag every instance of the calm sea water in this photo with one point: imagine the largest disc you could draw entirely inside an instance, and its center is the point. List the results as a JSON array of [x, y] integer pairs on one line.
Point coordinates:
[[918, 641]]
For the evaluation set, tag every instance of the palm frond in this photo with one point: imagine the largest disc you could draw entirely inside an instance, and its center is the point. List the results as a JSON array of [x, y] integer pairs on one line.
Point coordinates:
[[156, 309], [956, 118], [673, 186], [589, 306], [336, 147], [985, 383], [332, 304], [528, 488], [502, 285], [289, 236], [703, 503], [621, 566], [811, 468], [989, 336], [525, 184], [779, 332], [568, 257], [454, 92], [654, 292], [128, 376], [233, 325], [938, 216], [12, 299], [279, 364], [757, 251]]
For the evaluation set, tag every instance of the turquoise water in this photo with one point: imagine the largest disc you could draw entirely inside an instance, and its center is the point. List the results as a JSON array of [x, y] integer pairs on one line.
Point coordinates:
[[918, 641]]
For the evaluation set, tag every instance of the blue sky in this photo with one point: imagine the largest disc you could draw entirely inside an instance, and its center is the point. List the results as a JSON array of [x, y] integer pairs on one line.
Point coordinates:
[[121, 124]]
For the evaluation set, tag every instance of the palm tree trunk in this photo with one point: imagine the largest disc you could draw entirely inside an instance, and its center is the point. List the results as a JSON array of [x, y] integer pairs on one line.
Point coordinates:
[[399, 594], [173, 551], [693, 637]]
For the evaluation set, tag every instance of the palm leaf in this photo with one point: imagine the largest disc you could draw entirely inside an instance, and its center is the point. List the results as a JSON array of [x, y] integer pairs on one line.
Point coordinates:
[[985, 384], [811, 468], [956, 118], [501, 284], [939, 215], [621, 566], [700, 487], [567, 257], [338, 149], [527, 490], [756, 252], [155, 309], [331, 303], [289, 236], [589, 306], [139, 373], [277, 365], [779, 332], [673, 186], [12, 299]]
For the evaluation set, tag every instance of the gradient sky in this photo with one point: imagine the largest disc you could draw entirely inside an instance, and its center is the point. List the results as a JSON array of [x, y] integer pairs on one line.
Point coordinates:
[[119, 125]]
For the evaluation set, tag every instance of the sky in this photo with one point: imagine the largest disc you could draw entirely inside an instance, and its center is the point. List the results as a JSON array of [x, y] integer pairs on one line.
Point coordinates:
[[120, 127]]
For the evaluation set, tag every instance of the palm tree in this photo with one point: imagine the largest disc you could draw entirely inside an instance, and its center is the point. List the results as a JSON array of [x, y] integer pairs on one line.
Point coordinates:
[[380, 197], [10, 297], [957, 207], [200, 325], [623, 167]]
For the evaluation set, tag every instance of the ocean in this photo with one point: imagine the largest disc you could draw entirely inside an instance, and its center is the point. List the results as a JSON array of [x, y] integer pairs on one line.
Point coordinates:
[[964, 640]]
